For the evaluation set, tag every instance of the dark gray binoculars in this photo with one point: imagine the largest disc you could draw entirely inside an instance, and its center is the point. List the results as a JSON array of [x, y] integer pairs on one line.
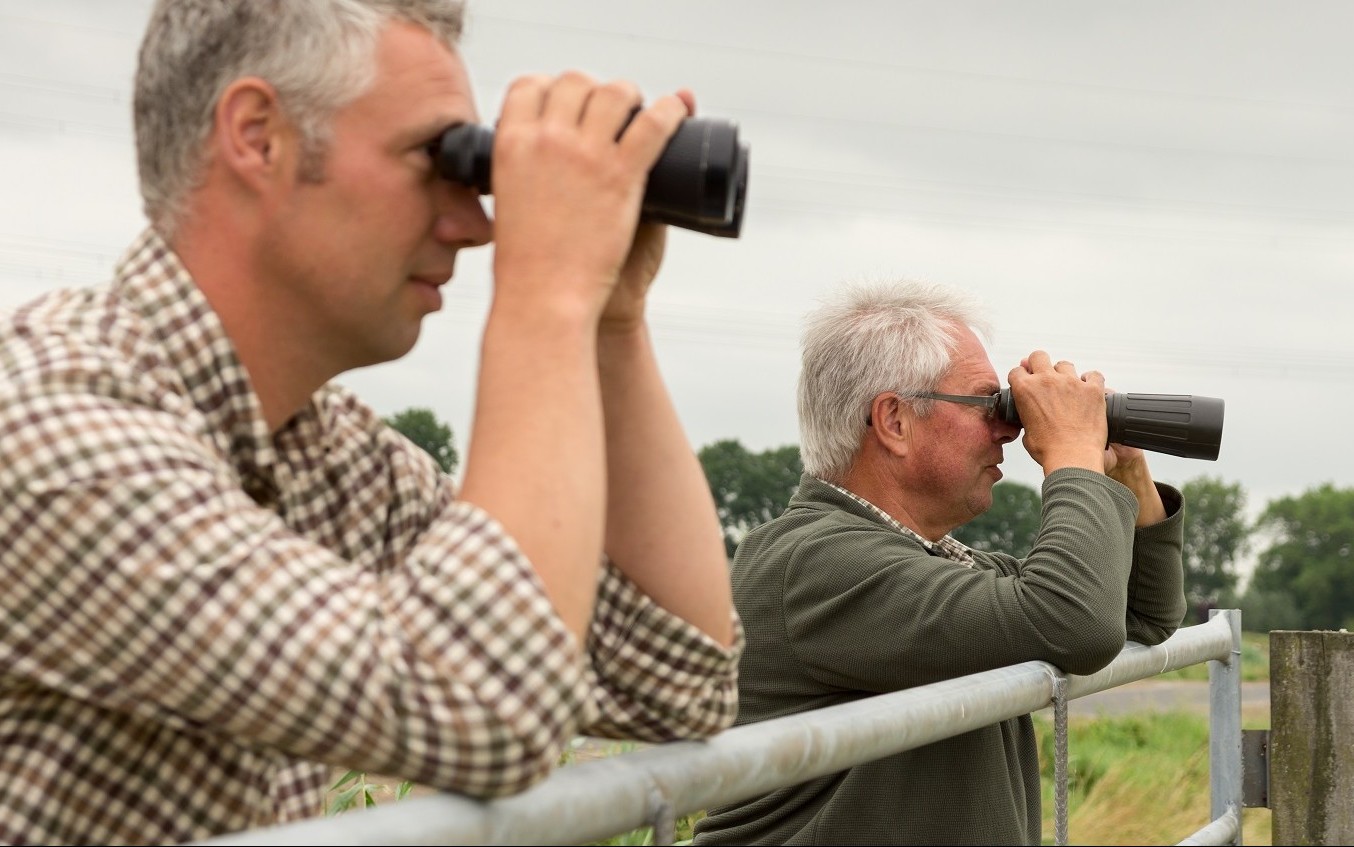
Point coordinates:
[[699, 182], [1177, 424]]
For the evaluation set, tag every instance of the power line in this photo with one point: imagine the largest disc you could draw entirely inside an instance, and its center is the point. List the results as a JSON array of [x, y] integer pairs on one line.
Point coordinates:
[[720, 327], [857, 179], [75, 27], [47, 85], [65, 126], [875, 65], [1169, 232]]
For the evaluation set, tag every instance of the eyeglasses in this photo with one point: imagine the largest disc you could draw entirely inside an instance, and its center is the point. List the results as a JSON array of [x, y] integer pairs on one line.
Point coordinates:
[[989, 402]]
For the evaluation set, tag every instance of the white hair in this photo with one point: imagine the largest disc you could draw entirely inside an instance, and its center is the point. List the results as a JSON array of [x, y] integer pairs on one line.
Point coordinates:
[[870, 338]]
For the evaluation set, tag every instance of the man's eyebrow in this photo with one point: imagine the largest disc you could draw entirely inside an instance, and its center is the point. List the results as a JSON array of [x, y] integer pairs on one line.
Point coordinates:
[[432, 129]]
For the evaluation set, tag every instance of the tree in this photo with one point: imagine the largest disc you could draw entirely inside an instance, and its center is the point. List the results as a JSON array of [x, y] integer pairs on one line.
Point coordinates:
[[1264, 611], [1311, 555], [749, 488], [423, 428], [1009, 526], [1216, 536]]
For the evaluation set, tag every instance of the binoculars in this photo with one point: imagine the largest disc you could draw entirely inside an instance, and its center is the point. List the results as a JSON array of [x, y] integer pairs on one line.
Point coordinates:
[[699, 182], [1184, 425]]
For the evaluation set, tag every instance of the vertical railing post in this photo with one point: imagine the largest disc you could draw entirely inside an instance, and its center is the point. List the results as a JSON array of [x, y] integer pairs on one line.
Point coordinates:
[[1224, 728]]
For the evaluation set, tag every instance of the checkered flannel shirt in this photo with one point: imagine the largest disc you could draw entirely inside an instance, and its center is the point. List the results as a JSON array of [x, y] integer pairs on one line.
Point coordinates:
[[200, 619]]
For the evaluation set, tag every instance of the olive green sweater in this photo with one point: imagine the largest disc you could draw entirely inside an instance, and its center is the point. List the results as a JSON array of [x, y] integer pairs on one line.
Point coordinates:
[[838, 605]]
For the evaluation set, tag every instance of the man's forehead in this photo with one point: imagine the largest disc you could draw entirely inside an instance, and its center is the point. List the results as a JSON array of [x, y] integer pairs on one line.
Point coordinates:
[[416, 69], [420, 85]]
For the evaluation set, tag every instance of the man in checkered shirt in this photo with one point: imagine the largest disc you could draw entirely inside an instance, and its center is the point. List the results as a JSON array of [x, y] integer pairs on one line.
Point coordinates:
[[224, 575]]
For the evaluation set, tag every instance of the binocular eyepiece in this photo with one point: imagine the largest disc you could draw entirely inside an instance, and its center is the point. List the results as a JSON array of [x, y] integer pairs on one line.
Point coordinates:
[[699, 181], [1184, 425]]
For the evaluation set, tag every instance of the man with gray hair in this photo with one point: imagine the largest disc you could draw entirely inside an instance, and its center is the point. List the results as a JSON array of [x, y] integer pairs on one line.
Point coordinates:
[[224, 575], [858, 588]]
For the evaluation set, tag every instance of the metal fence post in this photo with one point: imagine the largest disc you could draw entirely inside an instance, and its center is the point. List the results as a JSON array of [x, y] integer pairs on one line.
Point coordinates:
[[1224, 728]]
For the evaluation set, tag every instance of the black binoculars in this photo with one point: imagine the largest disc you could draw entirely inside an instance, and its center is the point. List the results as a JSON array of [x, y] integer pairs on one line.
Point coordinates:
[[699, 182], [1177, 424]]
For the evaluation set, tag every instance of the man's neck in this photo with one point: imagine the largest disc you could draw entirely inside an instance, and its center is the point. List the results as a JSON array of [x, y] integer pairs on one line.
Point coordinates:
[[282, 367], [877, 485]]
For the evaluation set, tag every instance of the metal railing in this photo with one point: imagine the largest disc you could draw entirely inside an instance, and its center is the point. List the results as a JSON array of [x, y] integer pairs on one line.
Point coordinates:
[[594, 800]]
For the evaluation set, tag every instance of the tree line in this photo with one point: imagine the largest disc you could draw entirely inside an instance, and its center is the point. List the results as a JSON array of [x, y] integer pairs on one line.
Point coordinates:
[[1303, 576]]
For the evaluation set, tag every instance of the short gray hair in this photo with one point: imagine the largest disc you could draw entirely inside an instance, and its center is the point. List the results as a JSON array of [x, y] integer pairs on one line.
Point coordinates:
[[318, 54], [870, 338]]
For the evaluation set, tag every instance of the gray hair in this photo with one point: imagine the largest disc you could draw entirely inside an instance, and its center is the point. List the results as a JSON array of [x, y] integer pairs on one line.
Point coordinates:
[[868, 339], [318, 54]]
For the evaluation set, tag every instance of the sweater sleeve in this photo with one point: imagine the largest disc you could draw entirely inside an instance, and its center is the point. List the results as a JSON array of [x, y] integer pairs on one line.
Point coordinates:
[[865, 607], [1156, 584]]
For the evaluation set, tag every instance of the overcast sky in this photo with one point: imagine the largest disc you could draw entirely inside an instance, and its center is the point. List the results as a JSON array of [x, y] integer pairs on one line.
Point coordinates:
[[1163, 191]]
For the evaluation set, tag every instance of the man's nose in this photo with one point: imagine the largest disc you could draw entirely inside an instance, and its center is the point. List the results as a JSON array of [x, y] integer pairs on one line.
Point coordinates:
[[1004, 432], [461, 218]]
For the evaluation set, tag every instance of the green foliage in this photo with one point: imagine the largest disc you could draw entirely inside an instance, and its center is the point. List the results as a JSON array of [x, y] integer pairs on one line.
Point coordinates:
[[1311, 555], [1009, 526], [1216, 536], [355, 790], [644, 835], [749, 488], [423, 428], [1264, 610]]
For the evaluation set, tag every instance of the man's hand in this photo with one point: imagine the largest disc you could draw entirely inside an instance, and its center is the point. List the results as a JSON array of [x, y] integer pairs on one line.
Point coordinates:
[[1128, 465], [625, 310], [1063, 413], [570, 168]]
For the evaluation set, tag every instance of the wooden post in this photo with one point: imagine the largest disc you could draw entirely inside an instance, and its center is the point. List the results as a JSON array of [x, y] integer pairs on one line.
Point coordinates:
[[1311, 749]]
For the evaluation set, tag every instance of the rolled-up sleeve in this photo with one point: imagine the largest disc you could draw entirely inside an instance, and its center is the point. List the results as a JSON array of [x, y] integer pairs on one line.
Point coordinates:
[[656, 677]]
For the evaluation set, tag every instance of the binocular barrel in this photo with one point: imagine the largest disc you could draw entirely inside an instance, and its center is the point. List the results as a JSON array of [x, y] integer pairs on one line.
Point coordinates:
[[699, 181], [1186, 425]]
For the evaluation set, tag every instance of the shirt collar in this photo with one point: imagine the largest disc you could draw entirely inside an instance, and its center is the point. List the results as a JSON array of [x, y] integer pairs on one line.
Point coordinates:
[[150, 277], [947, 547]]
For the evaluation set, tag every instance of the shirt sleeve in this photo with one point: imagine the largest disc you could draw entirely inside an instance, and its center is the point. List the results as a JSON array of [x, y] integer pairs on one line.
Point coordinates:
[[142, 579], [656, 677]]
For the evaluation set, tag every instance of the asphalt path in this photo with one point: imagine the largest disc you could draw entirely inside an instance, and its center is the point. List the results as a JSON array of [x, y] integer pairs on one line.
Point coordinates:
[[1158, 695]]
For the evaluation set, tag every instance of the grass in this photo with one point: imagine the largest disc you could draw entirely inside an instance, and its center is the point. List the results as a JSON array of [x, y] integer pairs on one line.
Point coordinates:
[[1137, 779]]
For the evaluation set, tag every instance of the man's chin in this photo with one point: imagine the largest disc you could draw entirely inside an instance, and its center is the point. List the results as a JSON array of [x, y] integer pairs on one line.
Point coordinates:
[[383, 350]]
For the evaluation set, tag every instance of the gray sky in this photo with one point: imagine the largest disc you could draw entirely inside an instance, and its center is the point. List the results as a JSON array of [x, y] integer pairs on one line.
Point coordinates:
[[1163, 191]]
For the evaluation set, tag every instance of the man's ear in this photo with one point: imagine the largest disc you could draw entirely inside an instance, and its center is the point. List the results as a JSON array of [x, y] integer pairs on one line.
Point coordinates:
[[891, 420], [250, 131]]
